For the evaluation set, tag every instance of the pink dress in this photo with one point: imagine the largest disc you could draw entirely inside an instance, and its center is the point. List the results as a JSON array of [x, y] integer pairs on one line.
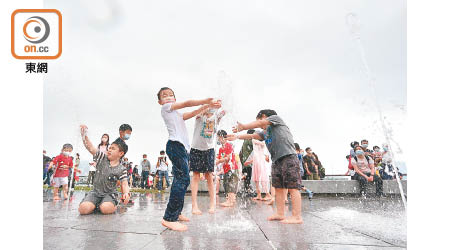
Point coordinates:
[[260, 168]]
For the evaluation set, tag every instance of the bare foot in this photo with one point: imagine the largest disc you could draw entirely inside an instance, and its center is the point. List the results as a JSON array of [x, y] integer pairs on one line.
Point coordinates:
[[211, 210], [276, 217], [183, 218], [270, 202], [56, 198], [175, 226], [293, 220], [196, 211], [226, 204]]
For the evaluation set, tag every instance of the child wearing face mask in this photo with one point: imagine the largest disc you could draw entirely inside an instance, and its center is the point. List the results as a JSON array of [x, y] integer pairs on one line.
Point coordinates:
[[62, 164]]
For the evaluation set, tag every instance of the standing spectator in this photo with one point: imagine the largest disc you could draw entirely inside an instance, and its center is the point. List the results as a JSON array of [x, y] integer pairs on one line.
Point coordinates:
[[365, 172], [163, 166], [76, 170], [299, 152], [135, 175], [311, 168], [91, 175], [145, 166], [246, 150], [102, 147], [46, 160], [104, 144]]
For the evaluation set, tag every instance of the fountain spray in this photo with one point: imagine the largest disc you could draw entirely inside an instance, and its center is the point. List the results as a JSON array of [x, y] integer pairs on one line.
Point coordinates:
[[353, 24]]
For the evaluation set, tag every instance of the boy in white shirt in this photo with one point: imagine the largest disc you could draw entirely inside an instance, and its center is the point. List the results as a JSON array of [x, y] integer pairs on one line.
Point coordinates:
[[177, 149]]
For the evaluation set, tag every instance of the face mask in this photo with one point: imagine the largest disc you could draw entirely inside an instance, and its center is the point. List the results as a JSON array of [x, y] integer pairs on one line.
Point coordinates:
[[377, 150], [126, 136], [364, 145], [212, 111], [66, 153], [359, 152], [385, 149]]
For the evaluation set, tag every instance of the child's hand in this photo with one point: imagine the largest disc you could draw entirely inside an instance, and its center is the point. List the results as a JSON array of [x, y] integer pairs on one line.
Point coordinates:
[[83, 130], [126, 198], [231, 137], [238, 127]]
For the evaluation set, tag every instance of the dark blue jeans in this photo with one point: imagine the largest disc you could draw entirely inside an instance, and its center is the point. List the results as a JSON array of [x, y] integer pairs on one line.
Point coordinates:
[[163, 174], [180, 170], [144, 181]]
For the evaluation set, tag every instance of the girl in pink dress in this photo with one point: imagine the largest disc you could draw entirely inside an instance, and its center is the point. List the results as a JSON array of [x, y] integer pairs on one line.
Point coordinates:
[[260, 169]]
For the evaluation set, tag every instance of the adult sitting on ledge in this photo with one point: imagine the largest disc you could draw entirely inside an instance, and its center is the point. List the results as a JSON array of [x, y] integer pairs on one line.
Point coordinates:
[[365, 172]]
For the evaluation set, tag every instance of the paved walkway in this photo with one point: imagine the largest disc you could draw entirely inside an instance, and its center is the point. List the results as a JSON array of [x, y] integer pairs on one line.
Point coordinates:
[[329, 223]]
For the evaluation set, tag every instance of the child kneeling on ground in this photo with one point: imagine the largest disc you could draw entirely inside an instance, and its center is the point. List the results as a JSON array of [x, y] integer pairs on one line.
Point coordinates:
[[109, 170]]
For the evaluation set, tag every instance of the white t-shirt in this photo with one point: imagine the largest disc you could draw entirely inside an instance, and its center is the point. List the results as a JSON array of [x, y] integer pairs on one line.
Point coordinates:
[[162, 166], [175, 125], [362, 164], [204, 131]]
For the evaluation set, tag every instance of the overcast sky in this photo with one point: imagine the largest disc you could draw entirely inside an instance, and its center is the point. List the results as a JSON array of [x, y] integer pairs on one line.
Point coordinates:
[[296, 57]]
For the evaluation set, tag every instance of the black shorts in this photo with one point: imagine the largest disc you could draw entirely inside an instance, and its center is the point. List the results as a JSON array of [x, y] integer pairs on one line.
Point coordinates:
[[201, 161], [98, 199], [286, 173]]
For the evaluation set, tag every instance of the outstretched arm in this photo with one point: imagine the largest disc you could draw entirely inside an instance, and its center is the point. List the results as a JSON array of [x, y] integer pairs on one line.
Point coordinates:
[[87, 143], [233, 137], [190, 103], [255, 124], [189, 115]]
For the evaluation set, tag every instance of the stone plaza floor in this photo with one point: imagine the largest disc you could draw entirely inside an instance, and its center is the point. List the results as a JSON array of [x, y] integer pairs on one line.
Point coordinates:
[[329, 223]]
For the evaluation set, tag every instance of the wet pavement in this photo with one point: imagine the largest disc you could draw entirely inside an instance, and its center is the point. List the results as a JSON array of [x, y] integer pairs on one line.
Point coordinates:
[[329, 223]]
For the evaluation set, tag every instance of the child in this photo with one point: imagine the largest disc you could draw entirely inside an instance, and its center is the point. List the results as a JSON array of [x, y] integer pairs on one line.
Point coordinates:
[[62, 164], [285, 166], [302, 171], [177, 149], [259, 158], [230, 175], [109, 170], [201, 157]]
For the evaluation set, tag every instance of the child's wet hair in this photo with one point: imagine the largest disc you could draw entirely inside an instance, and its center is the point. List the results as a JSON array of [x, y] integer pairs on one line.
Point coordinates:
[[162, 89], [297, 147], [125, 127], [123, 147], [266, 112], [222, 133], [67, 145], [250, 131]]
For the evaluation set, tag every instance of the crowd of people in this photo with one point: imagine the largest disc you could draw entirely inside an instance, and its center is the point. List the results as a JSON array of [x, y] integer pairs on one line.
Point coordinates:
[[269, 158], [371, 165]]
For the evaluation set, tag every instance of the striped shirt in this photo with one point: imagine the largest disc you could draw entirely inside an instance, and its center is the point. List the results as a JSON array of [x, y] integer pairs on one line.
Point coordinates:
[[107, 176]]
